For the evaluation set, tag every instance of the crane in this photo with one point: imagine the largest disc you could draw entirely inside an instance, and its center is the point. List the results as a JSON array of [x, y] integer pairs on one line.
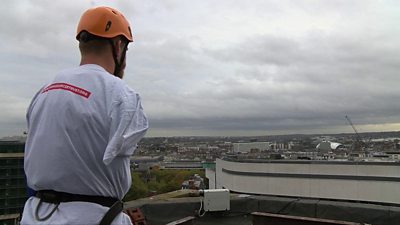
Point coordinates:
[[358, 143]]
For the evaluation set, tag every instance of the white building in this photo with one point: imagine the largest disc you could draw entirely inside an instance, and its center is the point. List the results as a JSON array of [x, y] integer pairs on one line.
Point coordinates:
[[345, 180], [328, 146]]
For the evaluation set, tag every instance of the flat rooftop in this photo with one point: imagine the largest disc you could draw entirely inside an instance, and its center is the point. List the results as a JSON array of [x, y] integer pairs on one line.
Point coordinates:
[[11, 155], [167, 208]]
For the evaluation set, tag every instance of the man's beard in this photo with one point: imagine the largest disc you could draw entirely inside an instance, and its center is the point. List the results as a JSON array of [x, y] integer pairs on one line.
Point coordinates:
[[121, 73]]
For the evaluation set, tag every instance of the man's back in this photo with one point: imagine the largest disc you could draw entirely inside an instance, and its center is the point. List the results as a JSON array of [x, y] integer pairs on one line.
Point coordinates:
[[83, 127]]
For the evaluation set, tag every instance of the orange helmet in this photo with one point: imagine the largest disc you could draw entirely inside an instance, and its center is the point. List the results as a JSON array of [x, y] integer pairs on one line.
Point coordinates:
[[104, 22]]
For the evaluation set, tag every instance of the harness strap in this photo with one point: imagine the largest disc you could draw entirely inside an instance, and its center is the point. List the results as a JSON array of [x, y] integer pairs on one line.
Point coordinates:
[[112, 213], [44, 218], [118, 65], [55, 197]]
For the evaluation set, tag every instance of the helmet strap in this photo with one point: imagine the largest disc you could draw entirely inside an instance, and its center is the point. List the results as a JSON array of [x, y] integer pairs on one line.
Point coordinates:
[[117, 63]]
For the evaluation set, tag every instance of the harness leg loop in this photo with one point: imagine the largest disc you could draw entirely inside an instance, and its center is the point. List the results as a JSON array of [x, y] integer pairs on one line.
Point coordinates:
[[38, 218]]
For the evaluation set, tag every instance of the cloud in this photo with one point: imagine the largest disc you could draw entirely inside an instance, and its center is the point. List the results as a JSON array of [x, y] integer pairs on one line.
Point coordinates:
[[225, 67], [12, 115], [308, 83]]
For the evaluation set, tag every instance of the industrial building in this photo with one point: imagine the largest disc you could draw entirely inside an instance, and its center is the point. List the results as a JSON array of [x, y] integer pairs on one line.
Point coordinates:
[[345, 180], [12, 181]]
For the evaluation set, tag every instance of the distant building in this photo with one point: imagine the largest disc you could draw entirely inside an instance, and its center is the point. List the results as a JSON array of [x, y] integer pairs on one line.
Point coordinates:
[[182, 164], [282, 146], [195, 182], [248, 147], [12, 181], [394, 155], [375, 181], [144, 163], [209, 168], [329, 146]]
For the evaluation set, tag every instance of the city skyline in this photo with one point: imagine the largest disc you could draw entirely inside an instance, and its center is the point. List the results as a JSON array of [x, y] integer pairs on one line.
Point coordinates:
[[223, 68]]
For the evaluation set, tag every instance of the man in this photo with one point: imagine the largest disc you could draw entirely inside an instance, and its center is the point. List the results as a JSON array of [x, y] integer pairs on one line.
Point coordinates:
[[83, 126]]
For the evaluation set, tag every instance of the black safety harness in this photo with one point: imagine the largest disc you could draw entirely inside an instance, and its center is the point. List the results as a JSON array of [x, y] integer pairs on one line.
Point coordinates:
[[55, 197]]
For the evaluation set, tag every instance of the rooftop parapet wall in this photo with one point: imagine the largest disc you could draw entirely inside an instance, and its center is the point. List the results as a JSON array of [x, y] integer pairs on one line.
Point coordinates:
[[159, 211]]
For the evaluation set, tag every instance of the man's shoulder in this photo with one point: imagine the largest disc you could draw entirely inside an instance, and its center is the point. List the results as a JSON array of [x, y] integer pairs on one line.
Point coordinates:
[[124, 88], [97, 77], [90, 73]]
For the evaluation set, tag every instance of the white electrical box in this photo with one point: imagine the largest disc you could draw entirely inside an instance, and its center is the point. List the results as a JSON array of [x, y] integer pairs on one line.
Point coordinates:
[[216, 200]]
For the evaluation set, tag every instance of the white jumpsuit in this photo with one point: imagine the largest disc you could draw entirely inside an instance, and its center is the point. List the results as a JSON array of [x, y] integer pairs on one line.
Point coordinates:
[[82, 129]]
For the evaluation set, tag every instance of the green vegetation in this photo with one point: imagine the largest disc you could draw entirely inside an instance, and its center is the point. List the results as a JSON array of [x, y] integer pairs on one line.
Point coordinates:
[[158, 181]]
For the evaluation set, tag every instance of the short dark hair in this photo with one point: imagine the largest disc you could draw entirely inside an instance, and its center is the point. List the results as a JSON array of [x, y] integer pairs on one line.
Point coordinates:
[[94, 46], [89, 43]]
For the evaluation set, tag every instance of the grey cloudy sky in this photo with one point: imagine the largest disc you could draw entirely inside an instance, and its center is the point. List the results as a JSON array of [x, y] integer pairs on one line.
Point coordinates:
[[223, 67]]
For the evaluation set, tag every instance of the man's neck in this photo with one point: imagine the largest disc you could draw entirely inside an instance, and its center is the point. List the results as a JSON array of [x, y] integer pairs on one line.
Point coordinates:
[[105, 62]]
